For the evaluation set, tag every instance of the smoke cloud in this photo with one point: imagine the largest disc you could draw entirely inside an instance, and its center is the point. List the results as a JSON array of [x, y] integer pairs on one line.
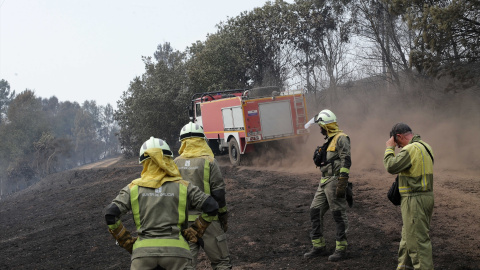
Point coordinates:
[[449, 122]]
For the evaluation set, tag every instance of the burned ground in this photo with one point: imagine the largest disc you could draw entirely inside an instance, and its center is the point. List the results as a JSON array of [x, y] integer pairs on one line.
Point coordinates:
[[58, 223]]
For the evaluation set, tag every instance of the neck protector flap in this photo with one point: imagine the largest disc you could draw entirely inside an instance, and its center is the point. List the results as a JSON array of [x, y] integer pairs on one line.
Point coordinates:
[[157, 170], [195, 147]]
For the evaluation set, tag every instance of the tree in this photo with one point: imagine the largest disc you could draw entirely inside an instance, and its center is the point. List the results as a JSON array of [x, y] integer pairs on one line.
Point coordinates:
[[85, 136], [5, 98], [387, 41], [261, 35], [48, 151], [64, 121], [217, 64], [95, 111], [154, 105], [447, 38], [25, 126], [108, 130], [247, 50], [319, 32], [26, 122]]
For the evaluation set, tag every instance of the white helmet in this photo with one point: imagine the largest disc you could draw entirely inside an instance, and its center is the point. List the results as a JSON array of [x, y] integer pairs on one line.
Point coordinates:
[[191, 130], [325, 117], [154, 143]]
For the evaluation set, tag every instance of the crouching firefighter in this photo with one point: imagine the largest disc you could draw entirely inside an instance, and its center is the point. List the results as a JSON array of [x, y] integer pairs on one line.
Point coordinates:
[[334, 161], [159, 201]]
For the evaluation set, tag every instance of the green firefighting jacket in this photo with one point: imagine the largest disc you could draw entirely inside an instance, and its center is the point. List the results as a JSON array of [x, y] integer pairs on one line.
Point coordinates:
[[159, 228], [413, 165], [338, 154], [203, 172]]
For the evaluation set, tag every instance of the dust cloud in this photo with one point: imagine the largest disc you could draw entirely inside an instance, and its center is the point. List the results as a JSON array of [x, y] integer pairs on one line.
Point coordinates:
[[448, 122]]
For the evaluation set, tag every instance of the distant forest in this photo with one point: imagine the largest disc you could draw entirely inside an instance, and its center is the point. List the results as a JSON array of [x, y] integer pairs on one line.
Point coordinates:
[[328, 48], [43, 136]]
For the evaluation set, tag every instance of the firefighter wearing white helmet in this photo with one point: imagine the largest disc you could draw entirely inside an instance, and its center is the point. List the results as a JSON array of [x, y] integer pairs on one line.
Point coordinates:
[[154, 143], [198, 165], [191, 130], [325, 117], [158, 201], [334, 190]]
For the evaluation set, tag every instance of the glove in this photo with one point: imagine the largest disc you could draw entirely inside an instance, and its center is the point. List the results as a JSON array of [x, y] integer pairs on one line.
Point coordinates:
[[190, 235], [223, 218], [123, 237], [196, 230], [341, 186]]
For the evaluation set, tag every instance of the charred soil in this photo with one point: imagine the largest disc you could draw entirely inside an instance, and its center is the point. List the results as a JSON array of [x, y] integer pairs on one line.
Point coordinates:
[[58, 223]]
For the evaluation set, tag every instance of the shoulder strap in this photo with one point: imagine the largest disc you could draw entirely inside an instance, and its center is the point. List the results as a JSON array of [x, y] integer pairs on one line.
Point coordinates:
[[428, 151], [332, 144]]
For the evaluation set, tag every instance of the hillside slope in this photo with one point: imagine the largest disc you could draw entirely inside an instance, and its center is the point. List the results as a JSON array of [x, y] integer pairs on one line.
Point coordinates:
[[58, 223]]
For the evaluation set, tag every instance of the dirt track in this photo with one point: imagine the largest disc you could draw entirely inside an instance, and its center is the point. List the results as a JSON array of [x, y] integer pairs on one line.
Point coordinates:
[[101, 164], [58, 223]]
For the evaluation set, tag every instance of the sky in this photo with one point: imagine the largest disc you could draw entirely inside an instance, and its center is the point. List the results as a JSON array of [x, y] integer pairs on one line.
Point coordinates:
[[81, 50]]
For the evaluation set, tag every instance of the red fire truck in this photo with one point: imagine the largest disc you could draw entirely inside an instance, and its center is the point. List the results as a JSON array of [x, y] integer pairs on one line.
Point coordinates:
[[237, 121]]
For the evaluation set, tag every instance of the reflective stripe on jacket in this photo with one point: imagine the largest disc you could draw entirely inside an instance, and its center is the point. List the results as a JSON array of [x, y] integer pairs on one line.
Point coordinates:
[[178, 240], [413, 165], [205, 173], [160, 215], [338, 152]]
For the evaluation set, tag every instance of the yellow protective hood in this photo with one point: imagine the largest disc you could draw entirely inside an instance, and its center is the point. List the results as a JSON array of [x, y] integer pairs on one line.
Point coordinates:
[[157, 170], [195, 147], [331, 129]]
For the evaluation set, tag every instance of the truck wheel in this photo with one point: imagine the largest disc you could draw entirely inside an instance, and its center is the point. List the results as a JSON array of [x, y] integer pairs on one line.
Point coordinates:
[[234, 152]]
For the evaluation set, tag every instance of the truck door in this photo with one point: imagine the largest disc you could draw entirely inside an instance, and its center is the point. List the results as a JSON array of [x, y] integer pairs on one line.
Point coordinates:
[[276, 119]]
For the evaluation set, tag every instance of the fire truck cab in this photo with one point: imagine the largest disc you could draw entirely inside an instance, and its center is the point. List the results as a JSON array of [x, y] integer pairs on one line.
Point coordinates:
[[237, 121]]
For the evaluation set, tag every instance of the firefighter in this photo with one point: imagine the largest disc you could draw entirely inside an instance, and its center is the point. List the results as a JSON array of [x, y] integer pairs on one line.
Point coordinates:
[[334, 161], [198, 165], [414, 166], [159, 200]]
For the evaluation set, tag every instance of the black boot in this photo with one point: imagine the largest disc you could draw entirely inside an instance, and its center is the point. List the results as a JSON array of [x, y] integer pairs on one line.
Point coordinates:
[[338, 255], [315, 252]]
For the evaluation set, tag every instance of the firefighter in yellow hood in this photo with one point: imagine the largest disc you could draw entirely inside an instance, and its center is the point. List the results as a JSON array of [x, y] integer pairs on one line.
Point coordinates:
[[198, 165], [159, 201], [334, 190]]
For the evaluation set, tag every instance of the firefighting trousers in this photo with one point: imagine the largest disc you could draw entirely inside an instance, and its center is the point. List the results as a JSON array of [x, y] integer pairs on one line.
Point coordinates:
[[325, 198], [166, 262], [215, 247], [415, 251]]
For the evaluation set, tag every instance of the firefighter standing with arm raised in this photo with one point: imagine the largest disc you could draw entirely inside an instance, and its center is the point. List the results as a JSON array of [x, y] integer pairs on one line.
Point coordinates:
[[414, 166], [159, 201], [198, 165], [334, 161]]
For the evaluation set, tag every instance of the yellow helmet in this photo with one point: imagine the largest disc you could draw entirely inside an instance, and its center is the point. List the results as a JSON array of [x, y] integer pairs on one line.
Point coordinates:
[[154, 143]]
